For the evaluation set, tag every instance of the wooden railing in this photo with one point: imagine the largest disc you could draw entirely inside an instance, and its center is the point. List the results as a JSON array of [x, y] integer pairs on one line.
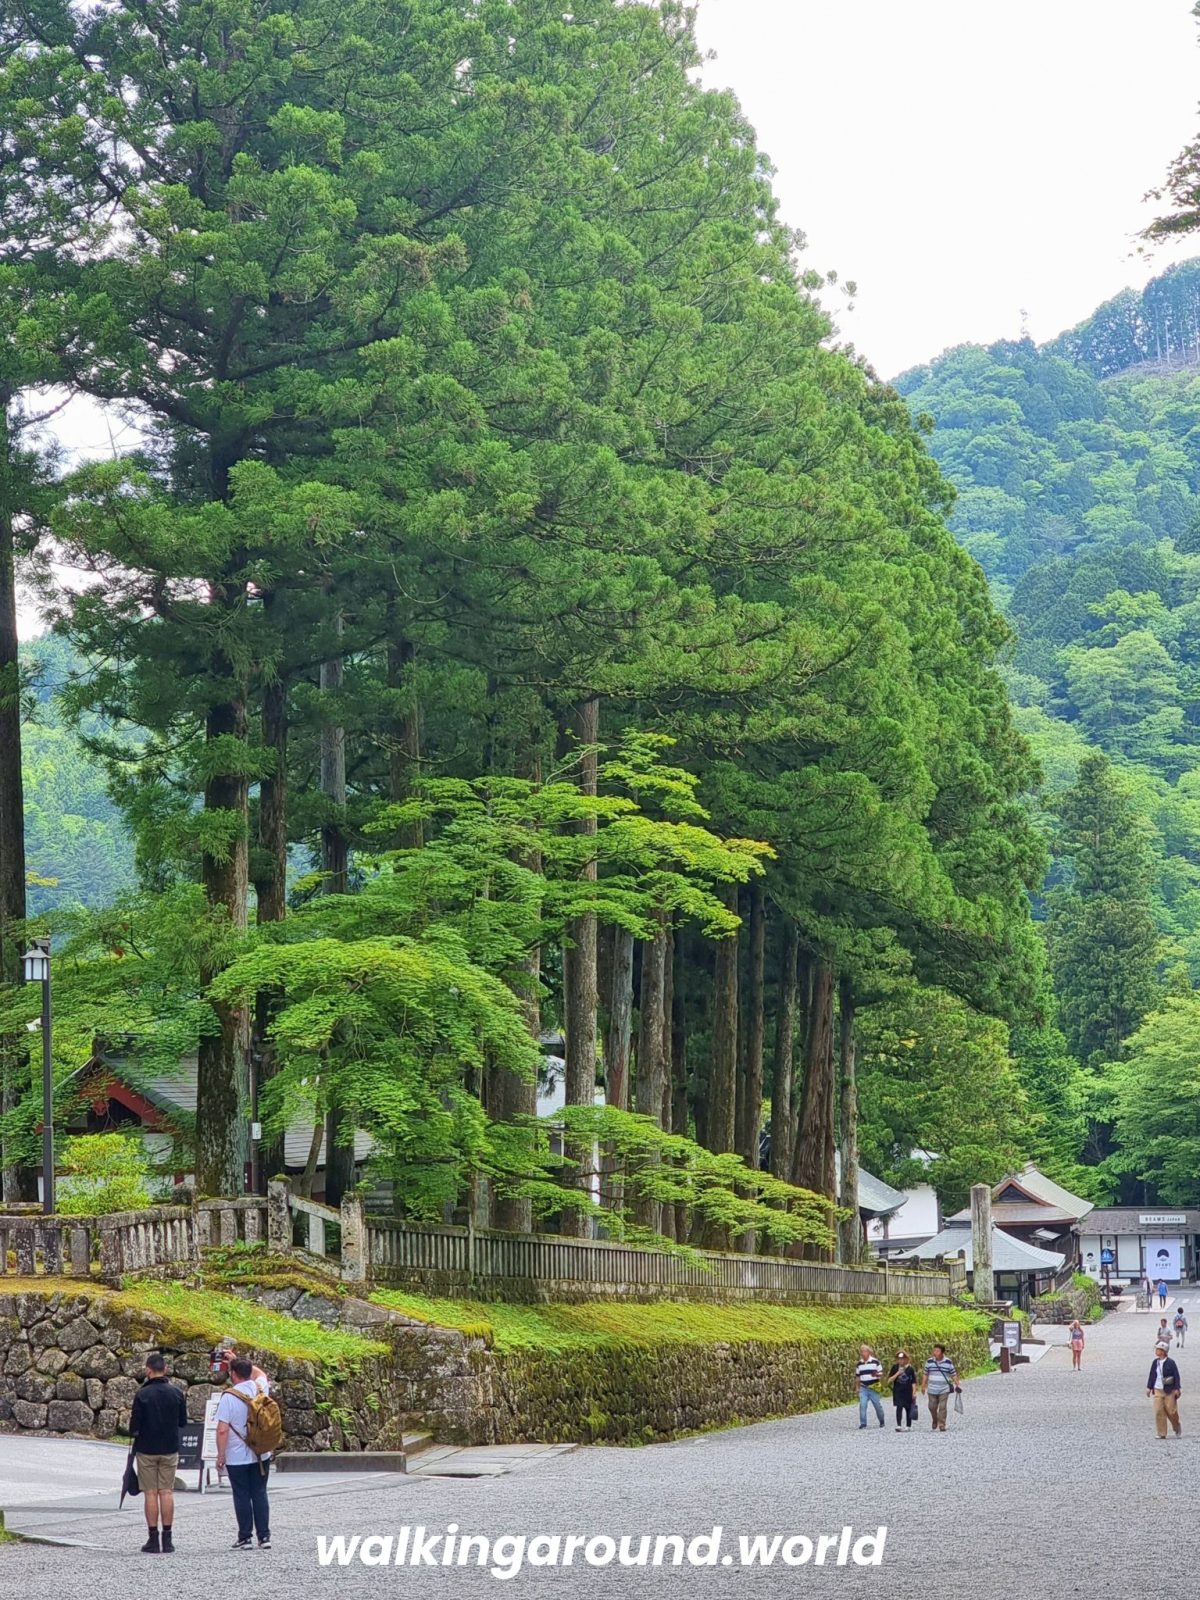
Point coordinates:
[[483, 1263], [551, 1267]]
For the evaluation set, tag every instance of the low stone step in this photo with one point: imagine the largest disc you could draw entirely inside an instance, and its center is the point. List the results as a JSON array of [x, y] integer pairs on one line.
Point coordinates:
[[341, 1461], [414, 1443]]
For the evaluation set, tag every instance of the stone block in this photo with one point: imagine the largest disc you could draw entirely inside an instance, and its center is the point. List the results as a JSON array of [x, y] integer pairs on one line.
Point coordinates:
[[301, 1424], [28, 1415], [197, 1400], [71, 1387], [30, 1308], [106, 1422], [77, 1335], [119, 1392], [18, 1359], [191, 1366], [279, 1299], [94, 1393], [43, 1334], [318, 1308], [294, 1393], [98, 1362], [52, 1361], [362, 1314], [36, 1387], [69, 1416], [69, 1307]]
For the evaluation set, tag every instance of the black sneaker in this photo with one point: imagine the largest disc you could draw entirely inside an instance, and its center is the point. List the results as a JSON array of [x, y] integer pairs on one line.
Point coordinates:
[[242, 1544], [265, 1544], [151, 1546], [168, 1544]]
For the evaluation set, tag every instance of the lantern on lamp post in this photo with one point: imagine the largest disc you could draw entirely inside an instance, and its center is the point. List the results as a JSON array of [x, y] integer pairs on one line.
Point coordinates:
[[36, 964]]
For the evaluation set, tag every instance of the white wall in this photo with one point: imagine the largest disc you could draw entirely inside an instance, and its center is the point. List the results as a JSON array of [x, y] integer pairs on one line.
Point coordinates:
[[917, 1218]]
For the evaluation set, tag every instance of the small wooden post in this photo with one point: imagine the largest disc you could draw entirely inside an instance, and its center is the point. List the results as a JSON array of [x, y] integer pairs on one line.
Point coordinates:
[[981, 1243]]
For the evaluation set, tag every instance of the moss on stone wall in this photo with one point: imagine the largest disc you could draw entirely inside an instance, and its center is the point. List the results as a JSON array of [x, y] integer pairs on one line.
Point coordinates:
[[626, 1374]]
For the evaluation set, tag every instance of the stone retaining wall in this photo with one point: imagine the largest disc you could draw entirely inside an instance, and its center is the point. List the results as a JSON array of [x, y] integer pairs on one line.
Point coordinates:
[[72, 1363]]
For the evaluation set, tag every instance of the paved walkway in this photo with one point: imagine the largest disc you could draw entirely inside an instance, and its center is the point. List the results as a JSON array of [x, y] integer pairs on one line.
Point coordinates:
[[1051, 1484]]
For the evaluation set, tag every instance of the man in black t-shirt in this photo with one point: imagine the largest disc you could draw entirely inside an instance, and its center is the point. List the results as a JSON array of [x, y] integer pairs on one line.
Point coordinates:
[[159, 1411]]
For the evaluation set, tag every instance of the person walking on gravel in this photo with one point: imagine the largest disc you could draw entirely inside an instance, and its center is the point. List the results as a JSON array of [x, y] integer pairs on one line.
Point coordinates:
[[867, 1375], [1162, 1292], [1163, 1387], [1075, 1334], [1180, 1325], [938, 1384], [903, 1380], [1162, 1334]]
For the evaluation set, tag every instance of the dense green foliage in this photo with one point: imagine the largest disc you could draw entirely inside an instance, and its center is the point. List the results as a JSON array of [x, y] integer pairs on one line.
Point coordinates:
[[103, 1173], [78, 849], [496, 444], [1077, 466]]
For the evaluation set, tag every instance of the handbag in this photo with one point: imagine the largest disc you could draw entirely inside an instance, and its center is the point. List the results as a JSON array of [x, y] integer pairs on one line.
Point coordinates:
[[958, 1405], [914, 1410]]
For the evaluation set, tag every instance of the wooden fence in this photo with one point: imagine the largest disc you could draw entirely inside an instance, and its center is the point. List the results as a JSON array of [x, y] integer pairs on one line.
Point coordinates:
[[539, 1266], [478, 1262]]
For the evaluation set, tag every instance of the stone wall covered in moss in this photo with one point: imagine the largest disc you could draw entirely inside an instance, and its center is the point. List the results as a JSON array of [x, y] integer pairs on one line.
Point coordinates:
[[624, 1394], [71, 1362]]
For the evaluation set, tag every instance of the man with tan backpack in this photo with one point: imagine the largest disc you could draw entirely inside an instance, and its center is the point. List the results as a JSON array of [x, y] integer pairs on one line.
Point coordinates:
[[249, 1431]]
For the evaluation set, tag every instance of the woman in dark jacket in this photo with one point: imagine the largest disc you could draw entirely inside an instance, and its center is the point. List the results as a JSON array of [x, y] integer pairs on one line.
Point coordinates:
[[903, 1379]]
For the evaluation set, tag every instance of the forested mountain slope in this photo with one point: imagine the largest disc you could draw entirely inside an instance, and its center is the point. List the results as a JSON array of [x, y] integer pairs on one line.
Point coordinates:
[[1077, 470], [1077, 466]]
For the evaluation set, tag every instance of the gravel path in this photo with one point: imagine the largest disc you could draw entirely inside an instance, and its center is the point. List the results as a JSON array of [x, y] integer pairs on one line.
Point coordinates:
[[1051, 1484]]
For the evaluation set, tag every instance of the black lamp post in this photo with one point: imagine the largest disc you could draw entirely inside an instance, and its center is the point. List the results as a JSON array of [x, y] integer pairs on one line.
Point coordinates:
[[36, 962]]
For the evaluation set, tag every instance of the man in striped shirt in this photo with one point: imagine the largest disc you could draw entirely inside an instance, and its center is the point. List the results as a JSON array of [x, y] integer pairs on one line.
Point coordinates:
[[939, 1383], [868, 1373]]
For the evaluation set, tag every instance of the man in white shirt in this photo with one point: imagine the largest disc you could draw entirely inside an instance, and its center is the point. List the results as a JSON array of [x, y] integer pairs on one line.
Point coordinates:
[[867, 1375], [247, 1475]]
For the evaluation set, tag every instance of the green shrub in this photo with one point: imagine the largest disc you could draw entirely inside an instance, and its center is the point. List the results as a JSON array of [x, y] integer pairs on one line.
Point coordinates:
[[103, 1173], [1080, 1300], [1087, 1287]]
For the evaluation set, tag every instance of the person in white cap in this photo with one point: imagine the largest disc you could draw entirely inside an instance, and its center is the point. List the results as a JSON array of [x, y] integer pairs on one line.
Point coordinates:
[[1164, 1388]]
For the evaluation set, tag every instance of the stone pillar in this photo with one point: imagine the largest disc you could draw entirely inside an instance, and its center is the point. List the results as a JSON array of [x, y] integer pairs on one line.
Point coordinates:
[[981, 1243], [110, 1255], [81, 1252], [279, 1218], [26, 1257], [354, 1239]]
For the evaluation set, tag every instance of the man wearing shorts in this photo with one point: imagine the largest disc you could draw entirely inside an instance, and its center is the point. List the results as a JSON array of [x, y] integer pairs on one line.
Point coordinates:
[[159, 1411]]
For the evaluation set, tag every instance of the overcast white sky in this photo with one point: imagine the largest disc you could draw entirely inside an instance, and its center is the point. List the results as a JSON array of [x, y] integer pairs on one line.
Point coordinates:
[[964, 160]]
